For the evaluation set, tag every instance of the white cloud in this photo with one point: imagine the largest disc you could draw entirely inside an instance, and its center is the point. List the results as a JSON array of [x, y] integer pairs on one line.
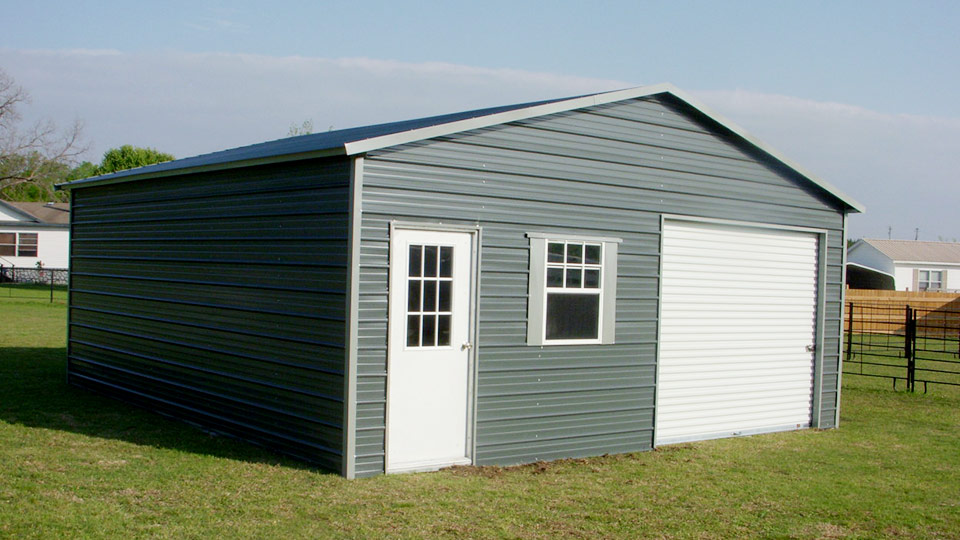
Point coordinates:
[[901, 167]]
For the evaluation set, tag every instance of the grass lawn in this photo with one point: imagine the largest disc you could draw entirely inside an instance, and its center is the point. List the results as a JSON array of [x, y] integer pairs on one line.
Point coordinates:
[[73, 464], [32, 292]]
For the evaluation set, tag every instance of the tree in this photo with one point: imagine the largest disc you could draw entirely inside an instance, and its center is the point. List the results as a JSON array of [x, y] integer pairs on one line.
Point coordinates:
[[303, 129], [128, 157], [32, 159]]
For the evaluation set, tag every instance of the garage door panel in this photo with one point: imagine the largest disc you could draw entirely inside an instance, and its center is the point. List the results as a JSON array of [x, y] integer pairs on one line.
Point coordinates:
[[738, 312], [726, 426]]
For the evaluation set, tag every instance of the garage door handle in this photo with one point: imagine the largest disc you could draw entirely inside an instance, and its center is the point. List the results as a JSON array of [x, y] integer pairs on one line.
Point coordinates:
[[466, 346], [811, 348]]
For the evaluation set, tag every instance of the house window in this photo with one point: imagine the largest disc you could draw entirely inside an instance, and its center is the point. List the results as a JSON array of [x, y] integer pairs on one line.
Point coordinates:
[[572, 295], [18, 244], [8, 244], [930, 280]]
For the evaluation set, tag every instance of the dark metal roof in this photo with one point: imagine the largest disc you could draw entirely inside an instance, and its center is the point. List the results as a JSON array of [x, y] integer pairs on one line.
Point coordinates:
[[330, 143]]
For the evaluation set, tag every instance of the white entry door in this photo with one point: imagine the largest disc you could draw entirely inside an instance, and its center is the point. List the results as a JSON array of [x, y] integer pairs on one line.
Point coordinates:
[[737, 329], [429, 350]]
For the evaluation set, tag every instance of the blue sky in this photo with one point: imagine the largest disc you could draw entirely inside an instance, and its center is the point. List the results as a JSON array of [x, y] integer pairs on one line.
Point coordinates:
[[863, 94]]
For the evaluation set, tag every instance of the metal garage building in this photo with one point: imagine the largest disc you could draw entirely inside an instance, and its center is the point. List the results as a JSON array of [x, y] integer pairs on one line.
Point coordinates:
[[567, 278]]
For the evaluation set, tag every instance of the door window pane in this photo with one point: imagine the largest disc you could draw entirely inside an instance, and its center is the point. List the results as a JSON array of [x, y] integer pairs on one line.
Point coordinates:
[[443, 330], [413, 330], [446, 261], [429, 331], [429, 261], [445, 296], [574, 253], [429, 296], [415, 261], [413, 295]]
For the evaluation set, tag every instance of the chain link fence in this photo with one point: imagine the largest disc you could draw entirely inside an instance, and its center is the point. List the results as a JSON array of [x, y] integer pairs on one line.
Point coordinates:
[[35, 283]]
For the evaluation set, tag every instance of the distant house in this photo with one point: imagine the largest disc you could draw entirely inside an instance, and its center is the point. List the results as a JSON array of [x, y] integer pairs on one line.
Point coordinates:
[[905, 265], [34, 232]]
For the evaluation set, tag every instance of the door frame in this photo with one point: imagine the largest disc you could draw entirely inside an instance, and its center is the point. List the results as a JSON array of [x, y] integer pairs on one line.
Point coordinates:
[[473, 313], [819, 310]]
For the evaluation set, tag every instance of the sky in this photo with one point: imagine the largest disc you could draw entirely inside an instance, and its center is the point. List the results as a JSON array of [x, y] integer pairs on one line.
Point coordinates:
[[861, 94]]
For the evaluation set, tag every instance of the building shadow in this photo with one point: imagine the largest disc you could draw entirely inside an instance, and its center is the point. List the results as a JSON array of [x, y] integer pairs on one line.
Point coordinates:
[[34, 393]]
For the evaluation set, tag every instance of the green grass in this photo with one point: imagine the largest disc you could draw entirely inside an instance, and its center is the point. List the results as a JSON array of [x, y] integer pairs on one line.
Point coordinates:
[[937, 359], [73, 464], [30, 291]]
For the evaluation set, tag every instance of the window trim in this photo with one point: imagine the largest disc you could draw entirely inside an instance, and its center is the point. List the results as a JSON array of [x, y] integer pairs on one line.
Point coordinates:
[[929, 279], [18, 244], [537, 289]]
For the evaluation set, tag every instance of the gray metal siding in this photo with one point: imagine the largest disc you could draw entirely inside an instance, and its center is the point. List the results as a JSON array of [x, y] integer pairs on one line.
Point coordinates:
[[218, 298], [610, 170]]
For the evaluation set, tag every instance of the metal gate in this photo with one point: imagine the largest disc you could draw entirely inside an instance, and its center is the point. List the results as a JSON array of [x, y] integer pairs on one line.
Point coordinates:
[[903, 343]]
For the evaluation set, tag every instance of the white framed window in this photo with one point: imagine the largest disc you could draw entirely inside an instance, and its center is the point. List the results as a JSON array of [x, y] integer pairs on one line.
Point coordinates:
[[18, 244], [929, 280], [572, 289]]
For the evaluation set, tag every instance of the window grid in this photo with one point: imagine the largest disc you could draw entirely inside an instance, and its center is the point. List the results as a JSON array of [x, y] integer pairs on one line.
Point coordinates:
[[429, 295], [930, 280], [574, 265], [573, 276], [18, 244], [27, 245]]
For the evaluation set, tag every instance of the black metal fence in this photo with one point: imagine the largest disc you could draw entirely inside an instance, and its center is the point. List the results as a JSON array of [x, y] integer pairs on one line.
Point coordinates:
[[39, 283], [903, 343]]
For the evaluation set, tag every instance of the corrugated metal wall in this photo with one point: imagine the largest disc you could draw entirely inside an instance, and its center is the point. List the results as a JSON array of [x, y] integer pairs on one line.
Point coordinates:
[[218, 298], [610, 170]]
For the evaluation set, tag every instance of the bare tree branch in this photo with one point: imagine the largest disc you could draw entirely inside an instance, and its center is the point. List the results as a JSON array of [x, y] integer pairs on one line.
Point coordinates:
[[39, 153]]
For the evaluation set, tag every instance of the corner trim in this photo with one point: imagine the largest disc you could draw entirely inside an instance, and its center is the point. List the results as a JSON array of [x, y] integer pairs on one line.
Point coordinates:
[[843, 318], [352, 318], [816, 403]]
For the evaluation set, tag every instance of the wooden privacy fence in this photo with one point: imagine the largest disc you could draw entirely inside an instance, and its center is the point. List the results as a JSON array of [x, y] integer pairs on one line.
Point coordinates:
[[881, 310]]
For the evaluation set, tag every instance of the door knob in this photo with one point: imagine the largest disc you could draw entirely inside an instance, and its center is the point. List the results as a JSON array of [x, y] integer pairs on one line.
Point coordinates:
[[467, 345]]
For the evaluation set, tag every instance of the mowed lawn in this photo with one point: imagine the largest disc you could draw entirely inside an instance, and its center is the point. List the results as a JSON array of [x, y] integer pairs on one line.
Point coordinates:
[[73, 464]]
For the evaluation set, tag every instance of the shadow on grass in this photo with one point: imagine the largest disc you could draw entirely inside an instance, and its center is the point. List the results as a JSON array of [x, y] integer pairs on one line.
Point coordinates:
[[34, 393]]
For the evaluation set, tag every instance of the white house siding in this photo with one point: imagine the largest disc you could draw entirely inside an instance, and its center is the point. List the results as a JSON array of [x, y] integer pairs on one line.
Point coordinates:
[[903, 274], [53, 248]]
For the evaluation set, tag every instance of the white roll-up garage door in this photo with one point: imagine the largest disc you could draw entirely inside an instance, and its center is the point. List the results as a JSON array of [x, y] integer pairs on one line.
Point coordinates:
[[738, 315]]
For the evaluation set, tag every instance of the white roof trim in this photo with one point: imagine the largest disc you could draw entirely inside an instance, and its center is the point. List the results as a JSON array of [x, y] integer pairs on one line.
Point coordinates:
[[394, 139], [27, 217], [924, 263]]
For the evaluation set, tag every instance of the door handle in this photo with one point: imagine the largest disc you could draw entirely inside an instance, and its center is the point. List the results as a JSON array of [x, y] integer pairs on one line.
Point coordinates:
[[466, 346], [811, 348]]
